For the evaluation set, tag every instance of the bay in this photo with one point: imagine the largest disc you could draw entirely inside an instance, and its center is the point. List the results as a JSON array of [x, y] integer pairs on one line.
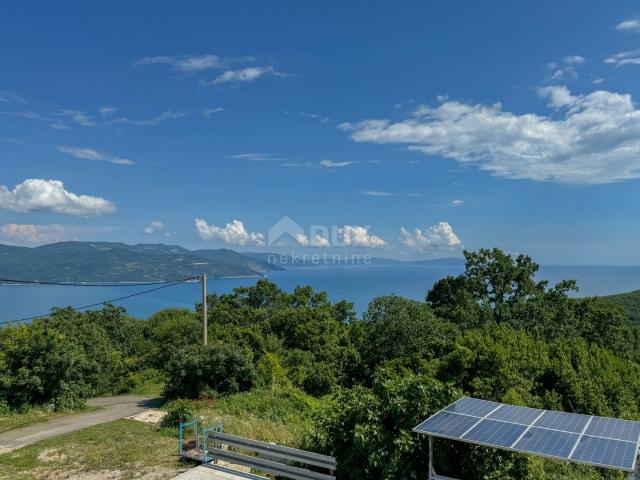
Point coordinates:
[[355, 283]]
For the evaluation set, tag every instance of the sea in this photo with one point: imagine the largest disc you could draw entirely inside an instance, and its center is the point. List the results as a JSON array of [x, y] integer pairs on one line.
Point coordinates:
[[358, 284]]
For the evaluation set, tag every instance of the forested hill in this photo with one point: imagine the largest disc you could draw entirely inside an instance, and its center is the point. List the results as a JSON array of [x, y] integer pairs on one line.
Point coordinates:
[[628, 302], [119, 262]]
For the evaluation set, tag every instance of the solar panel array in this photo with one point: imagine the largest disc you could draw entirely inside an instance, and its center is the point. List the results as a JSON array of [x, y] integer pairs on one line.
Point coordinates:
[[597, 441]]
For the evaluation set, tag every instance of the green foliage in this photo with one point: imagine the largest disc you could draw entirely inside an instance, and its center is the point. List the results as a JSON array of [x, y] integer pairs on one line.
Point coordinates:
[[369, 429], [493, 332], [179, 411], [198, 370]]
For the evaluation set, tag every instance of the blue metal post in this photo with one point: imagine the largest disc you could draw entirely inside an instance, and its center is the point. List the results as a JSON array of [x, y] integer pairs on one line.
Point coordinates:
[[197, 435], [180, 447]]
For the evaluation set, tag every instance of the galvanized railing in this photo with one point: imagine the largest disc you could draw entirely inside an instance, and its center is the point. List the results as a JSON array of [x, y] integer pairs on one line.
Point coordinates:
[[271, 458]]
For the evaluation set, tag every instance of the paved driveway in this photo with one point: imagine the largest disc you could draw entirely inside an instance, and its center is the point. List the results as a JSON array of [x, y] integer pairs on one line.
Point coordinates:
[[112, 408]]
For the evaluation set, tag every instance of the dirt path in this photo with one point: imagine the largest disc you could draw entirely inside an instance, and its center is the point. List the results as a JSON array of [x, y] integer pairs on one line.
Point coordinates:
[[112, 408]]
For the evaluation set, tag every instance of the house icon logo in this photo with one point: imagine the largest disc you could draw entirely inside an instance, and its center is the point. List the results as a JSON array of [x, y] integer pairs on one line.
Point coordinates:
[[283, 232]]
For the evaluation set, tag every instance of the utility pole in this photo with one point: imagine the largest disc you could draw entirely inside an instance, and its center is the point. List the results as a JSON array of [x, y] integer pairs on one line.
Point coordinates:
[[203, 279]]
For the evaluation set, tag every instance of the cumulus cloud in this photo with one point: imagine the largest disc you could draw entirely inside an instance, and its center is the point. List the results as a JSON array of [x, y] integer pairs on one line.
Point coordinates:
[[50, 196], [332, 164], [247, 74], [438, 237], [316, 241], [596, 139], [631, 57], [154, 226], [33, 234], [91, 154], [233, 233], [358, 236], [185, 63], [631, 25]]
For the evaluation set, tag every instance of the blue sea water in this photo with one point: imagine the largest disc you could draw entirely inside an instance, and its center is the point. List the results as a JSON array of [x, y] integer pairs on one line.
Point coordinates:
[[356, 283]]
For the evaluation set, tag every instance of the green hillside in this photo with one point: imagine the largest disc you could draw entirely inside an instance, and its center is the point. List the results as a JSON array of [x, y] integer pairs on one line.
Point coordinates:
[[118, 262], [629, 302]]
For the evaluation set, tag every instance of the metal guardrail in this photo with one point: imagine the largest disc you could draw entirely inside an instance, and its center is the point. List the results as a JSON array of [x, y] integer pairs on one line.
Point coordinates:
[[274, 459]]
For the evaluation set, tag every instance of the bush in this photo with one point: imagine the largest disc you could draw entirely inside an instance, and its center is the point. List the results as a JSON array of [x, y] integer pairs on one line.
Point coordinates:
[[198, 370], [179, 412]]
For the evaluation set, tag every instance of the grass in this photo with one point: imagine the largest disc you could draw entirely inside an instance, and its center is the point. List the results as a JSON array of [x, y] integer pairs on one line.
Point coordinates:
[[279, 415], [124, 449], [33, 416]]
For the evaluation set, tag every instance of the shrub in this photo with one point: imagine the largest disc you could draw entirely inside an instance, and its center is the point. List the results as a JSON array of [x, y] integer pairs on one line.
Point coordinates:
[[196, 370], [179, 412]]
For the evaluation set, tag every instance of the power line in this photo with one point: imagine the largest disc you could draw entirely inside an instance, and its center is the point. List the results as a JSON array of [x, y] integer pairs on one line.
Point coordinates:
[[75, 309], [80, 284]]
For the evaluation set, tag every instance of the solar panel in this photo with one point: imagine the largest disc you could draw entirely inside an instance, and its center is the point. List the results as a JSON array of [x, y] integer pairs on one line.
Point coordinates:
[[614, 428], [604, 451], [472, 406], [567, 422], [498, 434], [445, 424], [599, 441], [509, 413], [549, 443]]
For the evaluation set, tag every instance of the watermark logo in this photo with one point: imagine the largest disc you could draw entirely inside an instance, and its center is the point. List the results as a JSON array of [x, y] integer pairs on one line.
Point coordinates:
[[286, 232]]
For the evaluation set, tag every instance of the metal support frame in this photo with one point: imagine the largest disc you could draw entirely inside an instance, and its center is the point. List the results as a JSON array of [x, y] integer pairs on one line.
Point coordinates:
[[432, 471], [183, 426]]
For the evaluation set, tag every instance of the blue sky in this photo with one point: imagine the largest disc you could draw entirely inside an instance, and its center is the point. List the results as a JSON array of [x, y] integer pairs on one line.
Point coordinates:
[[407, 132]]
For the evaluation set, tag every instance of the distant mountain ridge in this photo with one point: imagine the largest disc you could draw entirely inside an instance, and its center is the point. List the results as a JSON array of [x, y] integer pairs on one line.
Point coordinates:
[[285, 260], [119, 262]]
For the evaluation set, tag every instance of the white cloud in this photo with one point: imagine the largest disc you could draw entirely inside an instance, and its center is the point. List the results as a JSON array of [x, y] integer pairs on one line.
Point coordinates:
[[573, 60], [316, 241], [358, 236], [91, 154], [207, 112], [378, 193], [107, 110], [597, 81], [315, 116], [233, 233], [185, 63], [457, 203], [633, 24], [77, 117], [154, 227], [631, 57], [10, 97], [33, 234], [438, 237], [332, 164], [595, 141], [50, 196], [150, 122], [258, 157], [247, 74]]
